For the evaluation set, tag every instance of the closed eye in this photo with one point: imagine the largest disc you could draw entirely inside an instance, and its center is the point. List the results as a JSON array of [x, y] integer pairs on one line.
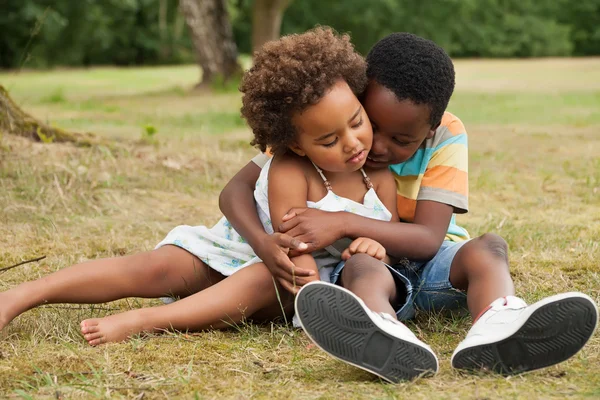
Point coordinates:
[[358, 124], [331, 144], [401, 142]]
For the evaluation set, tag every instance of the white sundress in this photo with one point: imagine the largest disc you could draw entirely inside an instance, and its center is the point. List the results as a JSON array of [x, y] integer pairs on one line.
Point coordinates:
[[224, 250]]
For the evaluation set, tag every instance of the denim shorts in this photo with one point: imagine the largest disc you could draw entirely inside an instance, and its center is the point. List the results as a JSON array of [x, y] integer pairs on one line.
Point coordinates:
[[426, 284]]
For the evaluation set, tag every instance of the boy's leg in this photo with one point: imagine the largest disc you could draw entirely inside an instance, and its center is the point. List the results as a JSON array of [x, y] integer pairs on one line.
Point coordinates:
[[480, 267], [168, 270], [507, 335], [358, 324], [251, 292]]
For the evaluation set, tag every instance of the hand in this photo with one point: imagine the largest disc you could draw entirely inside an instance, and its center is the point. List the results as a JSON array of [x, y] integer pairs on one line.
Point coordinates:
[[366, 246], [274, 253], [316, 228]]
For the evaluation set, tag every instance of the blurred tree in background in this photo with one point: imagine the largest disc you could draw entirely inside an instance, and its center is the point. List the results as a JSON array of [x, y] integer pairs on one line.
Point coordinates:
[[211, 33], [45, 33]]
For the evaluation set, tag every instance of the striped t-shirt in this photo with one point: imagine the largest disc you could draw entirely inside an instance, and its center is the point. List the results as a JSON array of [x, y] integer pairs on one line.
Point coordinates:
[[437, 172]]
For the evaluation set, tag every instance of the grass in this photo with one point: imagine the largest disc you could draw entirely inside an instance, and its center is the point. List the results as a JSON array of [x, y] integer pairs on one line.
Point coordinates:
[[534, 177]]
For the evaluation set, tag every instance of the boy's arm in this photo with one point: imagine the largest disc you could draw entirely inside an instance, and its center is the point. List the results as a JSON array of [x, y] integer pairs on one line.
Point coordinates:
[[304, 261], [419, 240], [236, 202]]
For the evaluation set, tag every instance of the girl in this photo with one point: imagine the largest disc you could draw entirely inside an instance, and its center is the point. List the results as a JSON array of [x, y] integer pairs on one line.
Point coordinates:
[[300, 100]]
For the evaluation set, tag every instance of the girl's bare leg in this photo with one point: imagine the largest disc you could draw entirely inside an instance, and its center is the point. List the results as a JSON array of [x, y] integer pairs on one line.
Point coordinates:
[[251, 292], [169, 270]]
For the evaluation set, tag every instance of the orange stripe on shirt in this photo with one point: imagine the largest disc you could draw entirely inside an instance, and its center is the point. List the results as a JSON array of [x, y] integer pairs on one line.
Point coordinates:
[[447, 178], [454, 125], [406, 208]]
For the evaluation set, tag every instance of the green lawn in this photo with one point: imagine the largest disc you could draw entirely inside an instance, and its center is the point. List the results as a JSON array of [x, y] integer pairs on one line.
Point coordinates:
[[534, 130]]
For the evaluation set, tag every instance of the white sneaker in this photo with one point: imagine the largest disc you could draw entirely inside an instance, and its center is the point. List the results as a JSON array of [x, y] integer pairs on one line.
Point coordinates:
[[341, 325], [512, 337]]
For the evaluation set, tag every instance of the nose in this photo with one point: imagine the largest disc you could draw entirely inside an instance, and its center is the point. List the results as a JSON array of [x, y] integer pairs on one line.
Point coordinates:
[[351, 144], [378, 149]]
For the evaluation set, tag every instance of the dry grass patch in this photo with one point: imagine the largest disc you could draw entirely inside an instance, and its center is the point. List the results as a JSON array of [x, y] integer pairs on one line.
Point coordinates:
[[534, 178]]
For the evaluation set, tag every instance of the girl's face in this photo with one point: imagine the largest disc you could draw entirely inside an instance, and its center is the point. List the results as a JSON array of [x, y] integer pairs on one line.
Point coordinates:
[[335, 133]]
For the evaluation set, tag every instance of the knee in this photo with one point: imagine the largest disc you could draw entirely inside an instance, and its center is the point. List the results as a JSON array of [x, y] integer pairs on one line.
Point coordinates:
[[478, 255], [156, 265], [361, 265], [260, 278], [494, 245]]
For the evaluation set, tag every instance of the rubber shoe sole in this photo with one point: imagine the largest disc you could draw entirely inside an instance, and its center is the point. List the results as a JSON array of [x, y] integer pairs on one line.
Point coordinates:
[[552, 334], [337, 322]]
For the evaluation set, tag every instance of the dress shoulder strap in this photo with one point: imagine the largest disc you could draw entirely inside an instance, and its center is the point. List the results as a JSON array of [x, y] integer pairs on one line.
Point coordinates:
[[366, 179], [325, 181], [328, 184]]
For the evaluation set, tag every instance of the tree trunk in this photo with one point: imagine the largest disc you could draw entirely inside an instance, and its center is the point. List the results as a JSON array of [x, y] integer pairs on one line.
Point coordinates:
[[266, 21], [212, 36], [14, 120]]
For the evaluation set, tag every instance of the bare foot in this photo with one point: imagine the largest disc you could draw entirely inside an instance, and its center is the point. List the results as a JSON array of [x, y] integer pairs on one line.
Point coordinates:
[[8, 309], [114, 328]]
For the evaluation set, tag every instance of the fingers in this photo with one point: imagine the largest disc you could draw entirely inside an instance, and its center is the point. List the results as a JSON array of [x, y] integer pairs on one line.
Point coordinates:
[[285, 267], [297, 211], [354, 245], [288, 286], [290, 242], [364, 246], [346, 254], [288, 216], [285, 226], [296, 280]]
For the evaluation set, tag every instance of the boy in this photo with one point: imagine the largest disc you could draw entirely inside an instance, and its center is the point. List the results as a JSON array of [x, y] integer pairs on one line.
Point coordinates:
[[411, 81]]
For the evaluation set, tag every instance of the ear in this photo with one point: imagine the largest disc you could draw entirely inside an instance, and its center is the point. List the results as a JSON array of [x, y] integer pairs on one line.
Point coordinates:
[[297, 149], [433, 129]]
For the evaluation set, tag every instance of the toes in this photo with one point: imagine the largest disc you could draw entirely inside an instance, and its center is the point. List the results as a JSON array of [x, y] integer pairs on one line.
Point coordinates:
[[92, 336], [89, 326], [97, 342]]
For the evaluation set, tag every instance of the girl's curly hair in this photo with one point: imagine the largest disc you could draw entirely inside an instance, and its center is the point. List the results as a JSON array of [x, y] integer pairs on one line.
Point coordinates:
[[291, 74]]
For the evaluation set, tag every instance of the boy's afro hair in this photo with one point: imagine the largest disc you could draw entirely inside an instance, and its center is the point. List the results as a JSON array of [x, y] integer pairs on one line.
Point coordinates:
[[291, 74], [415, 69]]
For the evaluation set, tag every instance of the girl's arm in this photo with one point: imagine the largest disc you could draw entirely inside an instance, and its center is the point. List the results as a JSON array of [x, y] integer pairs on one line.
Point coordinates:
[[237, 204], [288, 188]]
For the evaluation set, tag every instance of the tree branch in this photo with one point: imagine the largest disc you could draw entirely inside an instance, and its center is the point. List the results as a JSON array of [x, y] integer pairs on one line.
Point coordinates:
[[4, 269]]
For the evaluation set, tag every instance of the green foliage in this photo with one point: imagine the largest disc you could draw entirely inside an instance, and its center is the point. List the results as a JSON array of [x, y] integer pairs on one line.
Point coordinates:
[[148, 134], [45, 33], [149, 131], [465, 28]]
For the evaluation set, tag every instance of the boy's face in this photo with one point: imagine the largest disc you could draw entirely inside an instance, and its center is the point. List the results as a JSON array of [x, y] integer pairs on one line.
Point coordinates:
[[399, 127]]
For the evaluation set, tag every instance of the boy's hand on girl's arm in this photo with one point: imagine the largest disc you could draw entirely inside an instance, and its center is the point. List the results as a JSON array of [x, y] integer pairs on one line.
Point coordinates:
[[273, 250], [366, 246], [317, 228]]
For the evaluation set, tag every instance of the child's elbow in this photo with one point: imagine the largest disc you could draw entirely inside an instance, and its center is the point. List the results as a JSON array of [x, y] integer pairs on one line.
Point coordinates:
[[431, 247]]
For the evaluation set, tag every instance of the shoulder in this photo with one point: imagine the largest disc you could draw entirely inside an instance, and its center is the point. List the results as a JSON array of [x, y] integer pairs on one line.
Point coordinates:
[[450, 131], [380, 176], [453, 124], [289, 166], [261, 159]]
